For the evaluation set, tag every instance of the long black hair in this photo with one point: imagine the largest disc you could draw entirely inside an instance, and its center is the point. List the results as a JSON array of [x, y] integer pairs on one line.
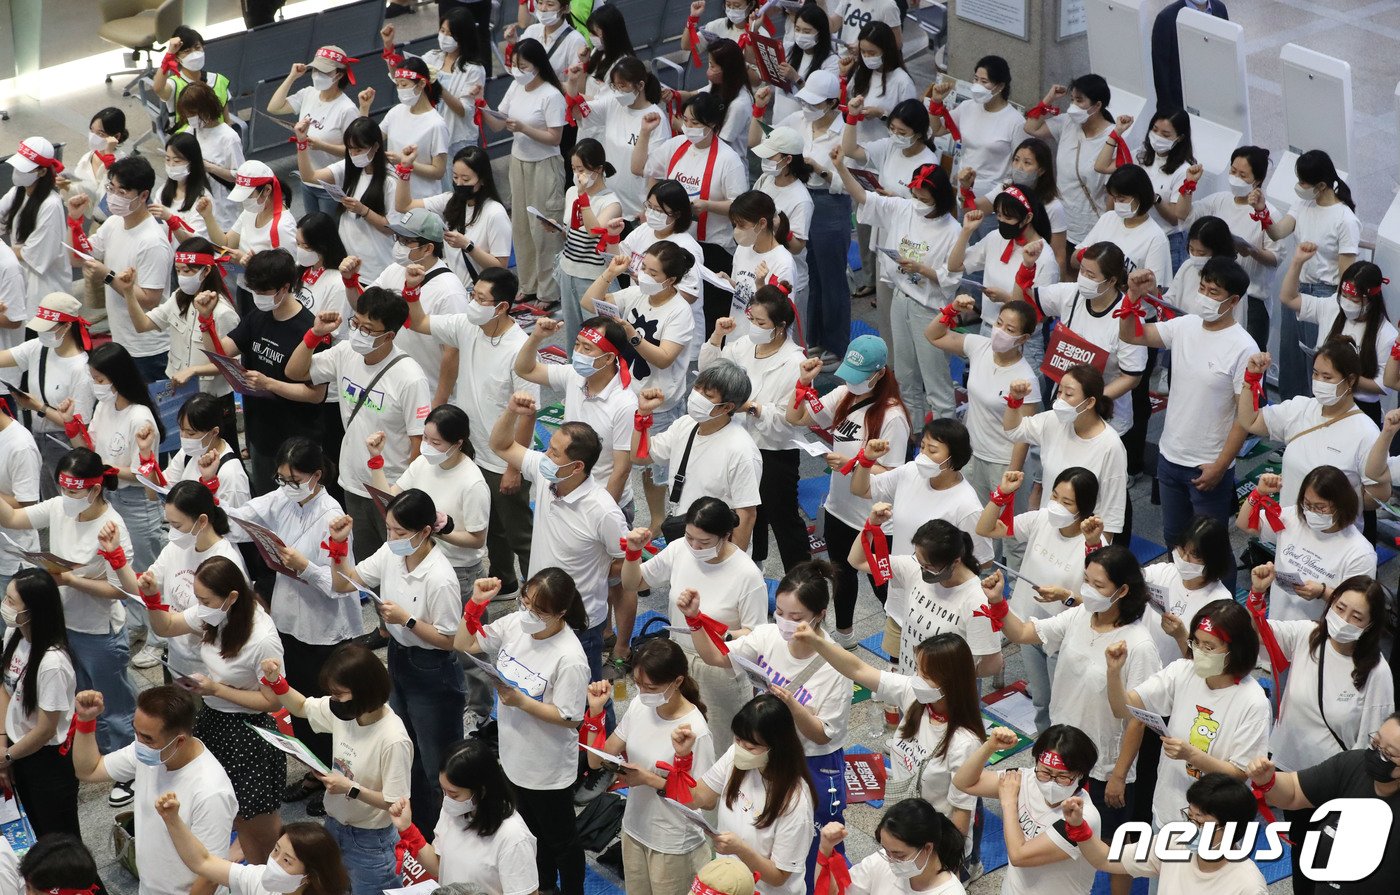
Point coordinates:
[[47, 630], [734, 71], [533, 52], [24, 206], [1366, 653], [362, 133], [882, 36], [431, 89], [471, 764], [813, 15], [115, 362], [213, 280], [1007, 204], [196, 182], [1366, 278], [1316, 167], [322, 236], [1123, 570], [1180, 153], [463, 29], [615, 43], [455, 214], [767, 721]]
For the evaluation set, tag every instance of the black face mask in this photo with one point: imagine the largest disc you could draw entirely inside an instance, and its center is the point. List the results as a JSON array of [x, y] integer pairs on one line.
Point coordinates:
[[1378, 767], [345, 711], [937, 577], [463, 191], [1009, 231]]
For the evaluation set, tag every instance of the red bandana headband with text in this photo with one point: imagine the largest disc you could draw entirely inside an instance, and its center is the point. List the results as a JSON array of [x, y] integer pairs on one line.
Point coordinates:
[[203, 259], [254, 183], [602, 343], [74, 483], [1052, 760], [53, 316], [1349, 289], [409, 74], [339, 59], [1015, 193], [1213, 629], [40, 160]]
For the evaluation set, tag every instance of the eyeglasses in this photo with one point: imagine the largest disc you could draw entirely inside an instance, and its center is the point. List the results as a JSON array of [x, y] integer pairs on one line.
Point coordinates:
[[1198, 647], [1392, 757], [279, 480], [933, 570], [359, 328], [1186, 816], [1064, 778], [1323, 508]]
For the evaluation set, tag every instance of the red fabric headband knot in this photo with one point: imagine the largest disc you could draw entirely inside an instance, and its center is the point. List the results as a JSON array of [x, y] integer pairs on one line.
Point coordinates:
[[42, 161], [1015, 193], [603, 343], [921, 178], [408, 74], [779, 285], [1051, 759], [1213, 629], [1349, 288], [332, 55], [53, 316]]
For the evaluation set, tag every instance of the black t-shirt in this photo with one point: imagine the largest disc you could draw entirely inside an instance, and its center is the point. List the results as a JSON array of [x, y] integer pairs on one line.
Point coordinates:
[[1343, 776], [266, 344]]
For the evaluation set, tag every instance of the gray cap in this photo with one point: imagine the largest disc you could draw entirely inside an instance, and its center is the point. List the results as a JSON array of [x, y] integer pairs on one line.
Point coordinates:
[[420, 223]]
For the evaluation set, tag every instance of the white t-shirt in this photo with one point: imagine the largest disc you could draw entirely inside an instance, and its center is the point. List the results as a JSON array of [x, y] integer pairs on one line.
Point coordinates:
[[883, 93], [1035, 815], [795, 201], [1103, 455], [429, 593], [850, 437], [1167, 188], [611, 413], [732, 591], [490, 232], [21, 305], [461, 493], [1343, 444], [619, 126], [893, 166], [1207, 373], [856, 14], [986, 256], [785, 842], [916, 502], [745, 279], [207, 806], [936, 781], [147, 248], [1100, 328], [397, 407], [554, 671], [20, 466], [460, 82], [1081, 187], [1242, 227], [443, 295], [328, 119], [54, 379], [1336, 231], [1187, 877], [1324, 310], [734, 131], [724, 464], [254, 237], [57, 687], [428, 131], [1230, 724], [896, 226], [375, 756], [826, 693], [541, 107], [988, 384], [488, 363], [562, 44], [772, 379], [648, 739], [114, 431], [1143, 246], [1164, 583], [1081, 678], [872, 876], [988, 139], [935, 609], [243, 670], [221, 145], [1302, 737], [671, 321], [43, 248], [643, 237], [76, 541], [174, 571], [729, 177], [374, 248], [502, 863], [1051, 560], [1310, 555]]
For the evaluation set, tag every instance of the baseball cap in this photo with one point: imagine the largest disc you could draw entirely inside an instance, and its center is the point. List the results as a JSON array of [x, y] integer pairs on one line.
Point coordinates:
[[23, 160], [780, 141], [246, 177], [821, 86], [55, 303], [420, 223], [865, 356], [723, 876], [330, 59]]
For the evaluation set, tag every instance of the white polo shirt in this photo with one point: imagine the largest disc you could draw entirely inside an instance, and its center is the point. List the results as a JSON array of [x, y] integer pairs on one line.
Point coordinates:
[[430, 592], [611, 413], [488, 364], [580, 533]]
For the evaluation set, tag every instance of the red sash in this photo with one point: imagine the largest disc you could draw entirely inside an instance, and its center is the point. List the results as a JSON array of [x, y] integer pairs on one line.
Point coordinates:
[[703, 219]]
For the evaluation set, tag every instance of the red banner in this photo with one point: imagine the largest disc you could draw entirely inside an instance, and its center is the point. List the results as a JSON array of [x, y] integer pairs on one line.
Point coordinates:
[[768, 52], [1068, 349], [865, 777]]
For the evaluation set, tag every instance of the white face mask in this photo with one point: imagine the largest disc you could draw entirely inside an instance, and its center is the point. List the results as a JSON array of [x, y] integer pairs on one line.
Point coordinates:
[[1077, 114], [648, 284], [1187, 570], [625, 99], [695, 134], [1092, 599], [901, 141], [872, 62], [1239, 187], [744, 760], [25, 178], [177, 173], [408, 95], [264, 302], [1003, 341], [401, 253], [1318, 521], [322, 81], [96, 142], [361, 159], [211, 616], [1125, 209], [924, 691], [761, 335], [786, 626], [193, 447], [447, 43], [658, 220], [1088, 289], [770, 166], [9, 616], [522, 77], [190, 282], [547, 18], [297, 491], [1065, 412], [804, 41], [480, 314], [307, 258], [193, 61], [434, 456], [737, 16], [1351, 310], [981, 94], [1059, 515], [1210, 309], [745, 237], [363, 343], [860, 388], [457, 807], [700, 408], [253, 203], [51, 338], [654, 700], [103, 390], [927, 466], [1159, 143], [182, 539], [704, 554], [1341, 631], [73, 507], [812, 113], [276, 880], [1305, 192], [531, 623], [906, 869], [1055, 793], [922, 209], [120, 206], [1328, 393]]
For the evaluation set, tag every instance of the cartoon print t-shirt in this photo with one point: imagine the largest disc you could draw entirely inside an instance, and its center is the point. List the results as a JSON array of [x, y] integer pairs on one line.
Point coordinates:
[[671, 321], [375, 756], [822, 690]]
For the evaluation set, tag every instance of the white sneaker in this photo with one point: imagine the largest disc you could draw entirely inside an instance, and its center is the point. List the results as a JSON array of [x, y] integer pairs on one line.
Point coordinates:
[[147, 658], [845, 641], [121, 795]]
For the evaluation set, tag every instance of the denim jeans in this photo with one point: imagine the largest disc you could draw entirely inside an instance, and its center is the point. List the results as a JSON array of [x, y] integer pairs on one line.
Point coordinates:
[[828, 323], [314, 199], [145, 521], [99, 661], [1294, 370], [1110, 819], [428, 694], [368, 856], [1176, 244], [592, 643], [828, 773], [1040, 671], [152, 366], [1181, 500], [571, 291]]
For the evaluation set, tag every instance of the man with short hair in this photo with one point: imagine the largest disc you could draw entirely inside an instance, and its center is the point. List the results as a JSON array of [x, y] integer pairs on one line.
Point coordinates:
[[166, 757]]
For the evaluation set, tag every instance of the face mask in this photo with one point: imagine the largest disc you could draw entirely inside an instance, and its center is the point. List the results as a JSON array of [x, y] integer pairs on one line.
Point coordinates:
[[361, 159], [770, 166], [938, 577], [51, 339], [1208, 664], [522, 77], [1350, 309], [860, 388], [345, 711], [657, 220], [922, 209], [547, 18], [585, 180], [25, 178], [363, 343], [1077, 114], [103, 390], [190, 282], [401, 254], [648, 284], [1008, 231], [402, 546], [408, 95], [1125, 209], [700, 408], [625, 99], [466, 191], [744, 760], [1328, 393], [1187, 570], [150, 756], [745, 237], [9, 616], [177, 173], [479, 314], [1003, 341], [212, 616], [1317, 521], [695, 134], [194, 61], [253, 203], [193, 447], [1055, 793], [1092, 599], [322, 80], [906, 869], [812, 113], [759, 335], [1088, 289], [458, 807], [1159, 143], [275, 879], [1022, 177], [804, 41], [120, 206], [434, 456], [653, 700], [1210, 309], [1059, 515], [704, 554], [183, 540], [737, 16], [927, 466], [981, 94], [872, 62], [264, 302], [1376, 765], [1340, 631], [1239, 187], [73, 507], [1194, 261], [1065, 412], [296, 490], [96, 142], [1304, 192], [447, 43], [531, 623], [924, 691], [786, 627], [550, 471], [583, 364], [901, 141]]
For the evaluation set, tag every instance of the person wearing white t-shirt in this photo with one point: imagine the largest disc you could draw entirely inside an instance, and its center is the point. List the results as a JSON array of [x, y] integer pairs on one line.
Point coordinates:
[[1217, 716], [712, 173], [457, 60], [705, 560], [785, 175], [36, 703], [32, 220], [1012, 260], [1078, 135], [1316, 542], [544, 676], [727, 77], [20, 472], [220, 149], [615, 119], [414, 121], [660, 849], [1194, 577], [764, 799], [989, 127], [733, 23], [1215, 802], [368, 184], [761, 256], [265, 222], [554, 29], [1032, 169], [905, 832], [166, 758], [1128, 223], [1258, 251], [877, 77], [478, 234], [808, 46], [1325, 216], [1042, 858], [594, 218], [325, 105], [1167, 158]]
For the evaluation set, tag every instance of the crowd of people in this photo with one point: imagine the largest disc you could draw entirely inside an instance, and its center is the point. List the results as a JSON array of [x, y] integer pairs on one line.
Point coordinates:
[[358, 388]]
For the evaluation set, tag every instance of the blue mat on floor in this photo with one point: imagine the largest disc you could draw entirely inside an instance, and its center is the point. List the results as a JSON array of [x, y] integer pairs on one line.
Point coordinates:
[[811, 494], [1145, 550], [861, 328], [872, 643], [772, 593], [645, 617], [595, 883]]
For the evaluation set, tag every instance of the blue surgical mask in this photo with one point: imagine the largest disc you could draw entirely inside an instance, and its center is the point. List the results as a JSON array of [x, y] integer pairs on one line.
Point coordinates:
[[150, 756], [549, 470], [583, 364], [402, 546]]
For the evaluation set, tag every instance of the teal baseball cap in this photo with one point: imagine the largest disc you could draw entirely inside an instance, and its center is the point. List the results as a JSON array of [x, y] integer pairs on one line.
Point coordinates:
[[865, 357]]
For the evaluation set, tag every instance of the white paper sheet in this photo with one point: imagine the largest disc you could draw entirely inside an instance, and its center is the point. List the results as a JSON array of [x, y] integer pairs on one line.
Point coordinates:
[[1014, 710], [363, 591], [714, 279], [81, 254], [162, 490], [693, 816], [606, 309], [293, 747], [812, 448], [610, 761], [1154, 721], [547, 219], [756, 675]]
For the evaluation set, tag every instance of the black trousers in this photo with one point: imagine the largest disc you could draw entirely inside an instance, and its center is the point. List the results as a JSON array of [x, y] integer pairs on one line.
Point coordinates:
[[1135, 441], [839, 538], [549, 813], [48, 788], [481, 14], [1297, 829], [303, 671], [777, 509]]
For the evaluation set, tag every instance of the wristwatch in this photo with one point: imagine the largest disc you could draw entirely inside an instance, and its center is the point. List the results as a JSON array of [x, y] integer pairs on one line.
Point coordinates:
[[111, 275], [353, 794], [635, 340], [471, 247], [410, 623]]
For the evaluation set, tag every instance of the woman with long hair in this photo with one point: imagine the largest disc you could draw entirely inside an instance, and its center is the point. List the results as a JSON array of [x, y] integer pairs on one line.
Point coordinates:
[[809, 46], [613, 114], [1079, 134], [1021, 237], [1033, 170], [186, 182], [1258, 252], [1167, 157], [607, 25], [761, 256], [363, 175], [220, 151], [32, 217], [461, 73], [107, 135], [478, 227], [415, 121], [877, 77], [727, 77], [989, 126], [36, 701]]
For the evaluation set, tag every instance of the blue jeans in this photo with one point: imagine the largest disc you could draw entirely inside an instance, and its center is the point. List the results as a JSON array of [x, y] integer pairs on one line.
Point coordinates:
[[1294, 369], [1181, 500], [1176, 244], [368, 856], [828, 773], [99, 661], [1040, 671], [592, 643], [428, 693], [314, 199], [828, 322], [145, 521], [571, 290], [152, 366]]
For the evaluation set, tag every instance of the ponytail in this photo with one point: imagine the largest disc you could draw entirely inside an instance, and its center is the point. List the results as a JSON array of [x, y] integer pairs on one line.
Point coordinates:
[[661, 660]]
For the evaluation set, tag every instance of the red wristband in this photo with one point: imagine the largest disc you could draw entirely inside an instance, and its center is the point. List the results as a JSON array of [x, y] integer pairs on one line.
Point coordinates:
[[1013, 402], [153, 602], [1081, 833], [313, 341], [376, 462], [949, 316], [412, 840], [279, 686], [1188, 187], [336, 549], [404, 172], [352, 282], [116, 558], [85, 726], [758, 110], [412, 294], [1262, 788], [628, 553]]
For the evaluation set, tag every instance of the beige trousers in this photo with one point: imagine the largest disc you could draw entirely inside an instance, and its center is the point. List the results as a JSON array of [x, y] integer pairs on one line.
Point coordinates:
[[537, 249], [724, 694], [650, 872]]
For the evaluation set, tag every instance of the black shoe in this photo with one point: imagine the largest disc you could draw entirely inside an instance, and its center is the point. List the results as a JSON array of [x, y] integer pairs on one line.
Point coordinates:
[[592, 785], [374, 640], [316, 805], [302, 789], [394, 10]]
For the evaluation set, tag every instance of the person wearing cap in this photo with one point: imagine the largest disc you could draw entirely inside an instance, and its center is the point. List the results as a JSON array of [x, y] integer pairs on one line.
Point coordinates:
[[31, 218], [327, 110], [364, 176], [130, 237], [53, 377], [723, 876], [809, 45], [414, 121], [865, 406], [220, 153], [182, 65], [786, 172], [265, 222]]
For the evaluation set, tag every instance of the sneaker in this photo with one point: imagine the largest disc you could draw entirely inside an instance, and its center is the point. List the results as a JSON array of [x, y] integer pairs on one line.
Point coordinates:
[[304, 788], [592, 785], [845, 640], [973, 872], [121, 795], [147, 658]]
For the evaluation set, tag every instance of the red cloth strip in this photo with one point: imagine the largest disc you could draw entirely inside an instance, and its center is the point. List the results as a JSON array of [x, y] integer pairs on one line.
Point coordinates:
[[1007, 502], [591, 732], [877, 552], [1122, 155], [116, 557], [1258, 606], [336, 549], [1255, 381], [834, 872], [641, 422], [679, 782], [995, 613], [808, 393], [714, 629], [471, 616], [860, 458], [1011, 246], [692, 28], [1131, 308], [938, 110], [1261, 502], [1041, 110]]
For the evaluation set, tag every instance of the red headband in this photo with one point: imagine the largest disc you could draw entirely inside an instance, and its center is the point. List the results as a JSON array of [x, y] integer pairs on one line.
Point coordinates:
[[1015, 193], [59, 317], [255, 182], [73, 483], [1213, 629], [40, 160], [58, 890], [1051, 759], [1349, 288], [408, 74], [601, 342], [921, 181], [340, 59]]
